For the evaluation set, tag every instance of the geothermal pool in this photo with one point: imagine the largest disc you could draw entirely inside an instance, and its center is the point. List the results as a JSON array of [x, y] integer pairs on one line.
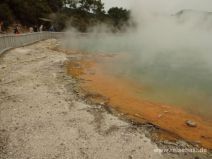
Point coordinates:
[[180, 77], [179, 81]]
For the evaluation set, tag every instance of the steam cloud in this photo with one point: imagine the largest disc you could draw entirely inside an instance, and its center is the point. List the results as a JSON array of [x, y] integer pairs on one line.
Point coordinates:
[[170, 49]]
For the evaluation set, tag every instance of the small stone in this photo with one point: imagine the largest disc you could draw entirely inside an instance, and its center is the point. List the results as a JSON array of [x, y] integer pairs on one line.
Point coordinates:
[[160, 115], [191, 123], [182, 143], [102, 103]]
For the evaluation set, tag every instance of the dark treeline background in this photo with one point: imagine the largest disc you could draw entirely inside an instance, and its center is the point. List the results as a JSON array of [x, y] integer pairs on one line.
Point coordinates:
[[80, 14]]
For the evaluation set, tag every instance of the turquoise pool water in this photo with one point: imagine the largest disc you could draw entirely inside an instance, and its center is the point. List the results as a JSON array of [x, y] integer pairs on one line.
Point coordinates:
[[179, 76]]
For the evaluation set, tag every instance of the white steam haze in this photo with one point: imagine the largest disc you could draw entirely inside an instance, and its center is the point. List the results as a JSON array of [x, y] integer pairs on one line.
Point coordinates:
[[171, 53]]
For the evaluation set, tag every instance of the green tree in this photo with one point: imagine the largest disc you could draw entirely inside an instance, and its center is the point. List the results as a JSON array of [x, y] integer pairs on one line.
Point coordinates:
[[98, 7], [72, 4], [29, 11], [5, 12], [119, 16], [81, 13], [56, 5]]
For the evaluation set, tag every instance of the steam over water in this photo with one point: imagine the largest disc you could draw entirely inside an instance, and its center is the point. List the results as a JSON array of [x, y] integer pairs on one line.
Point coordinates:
[[169, 54]]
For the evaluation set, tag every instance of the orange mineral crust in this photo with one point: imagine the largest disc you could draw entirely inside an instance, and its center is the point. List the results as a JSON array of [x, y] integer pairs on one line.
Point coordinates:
[[123, 96]]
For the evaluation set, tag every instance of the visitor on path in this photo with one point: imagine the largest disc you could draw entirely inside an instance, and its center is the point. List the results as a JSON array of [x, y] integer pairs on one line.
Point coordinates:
[[31, 29], [35, 28], [16, 29], [52, 29], [41, 28]]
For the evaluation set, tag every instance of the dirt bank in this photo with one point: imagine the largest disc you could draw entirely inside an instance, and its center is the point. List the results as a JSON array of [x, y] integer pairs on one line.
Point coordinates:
[[41, 115]]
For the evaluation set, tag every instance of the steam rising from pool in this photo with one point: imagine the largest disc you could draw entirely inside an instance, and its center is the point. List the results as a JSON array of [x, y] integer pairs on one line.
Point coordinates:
[[169, 52]]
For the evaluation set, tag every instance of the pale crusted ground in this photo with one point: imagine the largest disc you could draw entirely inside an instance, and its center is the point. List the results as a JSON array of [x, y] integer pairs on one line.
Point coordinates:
[[40, 117]]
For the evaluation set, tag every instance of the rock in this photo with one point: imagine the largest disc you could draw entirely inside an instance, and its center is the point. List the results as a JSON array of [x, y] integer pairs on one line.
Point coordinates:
[[169, 143], [3, 67], [181, 143], [191, 123], [102, 103], [160, 115]]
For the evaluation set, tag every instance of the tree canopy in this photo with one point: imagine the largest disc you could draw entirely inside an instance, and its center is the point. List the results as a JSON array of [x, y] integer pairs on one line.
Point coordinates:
[[119, 16], [77, 13]]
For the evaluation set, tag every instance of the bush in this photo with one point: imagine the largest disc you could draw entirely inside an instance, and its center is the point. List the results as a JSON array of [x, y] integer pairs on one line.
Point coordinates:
[[5, 13]]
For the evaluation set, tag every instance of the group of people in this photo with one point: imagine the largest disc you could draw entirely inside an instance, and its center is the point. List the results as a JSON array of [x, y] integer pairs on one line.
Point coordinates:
[[36, 28], [18, 28], [41, 28]]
